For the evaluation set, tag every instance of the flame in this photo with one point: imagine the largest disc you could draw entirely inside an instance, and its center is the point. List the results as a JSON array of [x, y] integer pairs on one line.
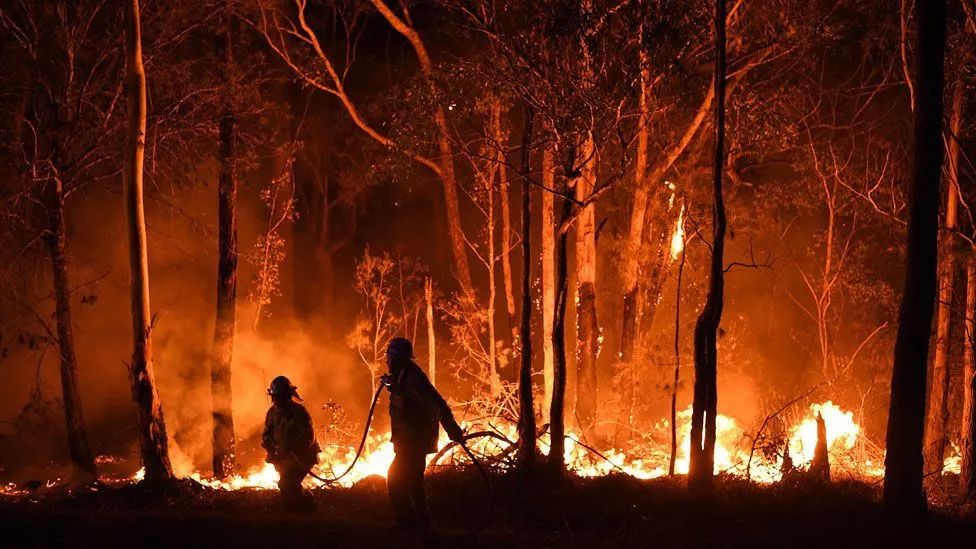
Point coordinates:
[[678, 237], [842, 432], [644, 460]]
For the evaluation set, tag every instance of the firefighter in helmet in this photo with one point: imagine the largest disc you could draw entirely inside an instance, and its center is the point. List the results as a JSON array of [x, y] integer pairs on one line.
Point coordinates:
[[290, 442], [416, 408]]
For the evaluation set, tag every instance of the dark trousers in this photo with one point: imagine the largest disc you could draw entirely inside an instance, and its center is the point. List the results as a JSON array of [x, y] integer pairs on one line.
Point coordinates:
[[290, 485], [405, 482]]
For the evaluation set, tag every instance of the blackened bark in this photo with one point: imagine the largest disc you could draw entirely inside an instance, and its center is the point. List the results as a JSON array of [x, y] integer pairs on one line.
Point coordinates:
[[78, 448], [222, 352], [557, 409], [150, 424], [904, 497], [820, 467], [704, 404], [526, 451]]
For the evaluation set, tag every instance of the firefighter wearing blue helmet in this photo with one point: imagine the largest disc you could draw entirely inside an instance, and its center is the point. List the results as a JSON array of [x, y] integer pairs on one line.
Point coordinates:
[[416, 408]]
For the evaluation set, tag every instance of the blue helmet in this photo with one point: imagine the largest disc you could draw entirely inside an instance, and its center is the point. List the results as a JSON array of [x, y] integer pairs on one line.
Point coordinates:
[[400, 347]]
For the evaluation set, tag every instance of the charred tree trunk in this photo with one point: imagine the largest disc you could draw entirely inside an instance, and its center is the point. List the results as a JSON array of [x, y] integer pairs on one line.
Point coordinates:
[[79, 450], [937, 422], [548, 279], [557, 410], [904, 497], [967, 475], [705, 401], [222, 352], [587, 327], [526, 450], [820, 467], [149, 410]]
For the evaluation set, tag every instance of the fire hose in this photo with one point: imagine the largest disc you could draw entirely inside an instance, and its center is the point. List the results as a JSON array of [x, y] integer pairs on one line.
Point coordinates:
[[461, 443]]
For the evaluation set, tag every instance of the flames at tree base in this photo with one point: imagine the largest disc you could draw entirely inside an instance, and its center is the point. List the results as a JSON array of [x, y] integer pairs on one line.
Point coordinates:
[[737, 454]]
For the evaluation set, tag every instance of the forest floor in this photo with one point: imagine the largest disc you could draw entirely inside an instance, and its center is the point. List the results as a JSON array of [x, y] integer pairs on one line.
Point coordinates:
[[611, 511]]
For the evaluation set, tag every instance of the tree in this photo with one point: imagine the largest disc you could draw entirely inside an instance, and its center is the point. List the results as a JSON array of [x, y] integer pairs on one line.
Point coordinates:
[[60, 123], [904, 497], [967, 476], [222, 351], [704, 405], [150, 424], [937, 421], [292, 37], [526, 423]]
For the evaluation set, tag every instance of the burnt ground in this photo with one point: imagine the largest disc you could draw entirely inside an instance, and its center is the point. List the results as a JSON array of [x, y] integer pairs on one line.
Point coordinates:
[[603, 512]]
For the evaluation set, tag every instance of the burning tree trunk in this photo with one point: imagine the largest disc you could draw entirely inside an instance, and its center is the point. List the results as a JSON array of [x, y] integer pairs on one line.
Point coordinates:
[[557, 420], [904, 498], [526, 424], [587, 327], [820, 467], [431, 342], [548, 278], [149, 410], [222, 352], [78, 447], [677, 364], [705, 401], [967, 475], [937, 423]]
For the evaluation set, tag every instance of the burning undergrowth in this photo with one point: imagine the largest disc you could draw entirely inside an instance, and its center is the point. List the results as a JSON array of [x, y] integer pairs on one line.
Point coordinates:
[[740, 453]]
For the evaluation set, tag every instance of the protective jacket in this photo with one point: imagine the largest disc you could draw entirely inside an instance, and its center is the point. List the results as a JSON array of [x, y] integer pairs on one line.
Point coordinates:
[[288, 432], [415, 410]]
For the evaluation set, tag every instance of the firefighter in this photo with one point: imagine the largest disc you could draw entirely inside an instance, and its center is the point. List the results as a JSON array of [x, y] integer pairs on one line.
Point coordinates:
[[290, 442], [415, 410]]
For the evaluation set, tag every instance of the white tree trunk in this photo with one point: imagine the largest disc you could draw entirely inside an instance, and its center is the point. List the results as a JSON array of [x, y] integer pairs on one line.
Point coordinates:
[[150, 423]]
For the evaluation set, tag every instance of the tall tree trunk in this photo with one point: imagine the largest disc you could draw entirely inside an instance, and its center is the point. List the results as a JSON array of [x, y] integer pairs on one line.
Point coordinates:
[[937, 422], [967, 476], [557, 408], [149, 410], [677, 366], [548, 278], [431, 342], [446, 153], [649, 192], [494, 381], [526, 449], [587, 327], [704, 405], [312, 240], [222, 351], [904, 497], [501, 140], [79, 450], [631, 259]]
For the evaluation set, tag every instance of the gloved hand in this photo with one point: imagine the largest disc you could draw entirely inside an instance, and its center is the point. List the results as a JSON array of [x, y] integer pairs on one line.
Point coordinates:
[[455, 433], [386, 380]]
